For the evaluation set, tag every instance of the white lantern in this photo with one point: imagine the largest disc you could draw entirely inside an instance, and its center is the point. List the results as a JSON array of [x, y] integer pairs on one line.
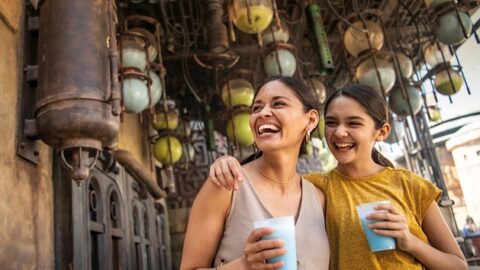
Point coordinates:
[[449, 29], [406, 65], [155, 88], [134, 95], [287, 60], [273, 32], [433, 53], [356, 41], [133, 52], [399, 105], [318, 88], [367, 74]]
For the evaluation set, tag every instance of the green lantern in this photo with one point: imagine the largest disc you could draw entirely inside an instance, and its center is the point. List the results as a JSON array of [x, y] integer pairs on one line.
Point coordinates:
[[449, 30], [243, 133], [399, 105], [443, 85]]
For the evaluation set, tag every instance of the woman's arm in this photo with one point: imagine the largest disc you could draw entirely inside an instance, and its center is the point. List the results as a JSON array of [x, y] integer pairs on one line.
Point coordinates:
[[442, 252], [205, 229]]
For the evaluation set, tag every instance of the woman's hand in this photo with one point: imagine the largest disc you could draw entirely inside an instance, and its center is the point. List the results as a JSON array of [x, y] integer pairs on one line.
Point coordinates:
[[258, 251], [226, 171], [392, 223]]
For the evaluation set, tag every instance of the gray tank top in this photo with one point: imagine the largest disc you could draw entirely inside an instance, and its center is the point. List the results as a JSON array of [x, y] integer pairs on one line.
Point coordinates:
[[312, 245]]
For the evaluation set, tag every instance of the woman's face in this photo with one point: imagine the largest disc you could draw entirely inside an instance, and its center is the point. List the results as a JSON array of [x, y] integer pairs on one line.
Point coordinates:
[[350, 131], [278, 120]]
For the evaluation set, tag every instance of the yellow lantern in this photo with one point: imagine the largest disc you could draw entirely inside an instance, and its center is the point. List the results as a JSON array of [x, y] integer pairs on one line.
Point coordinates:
[[243, 132], [167, 150], [251, 16], [241, 93], [171, 120]]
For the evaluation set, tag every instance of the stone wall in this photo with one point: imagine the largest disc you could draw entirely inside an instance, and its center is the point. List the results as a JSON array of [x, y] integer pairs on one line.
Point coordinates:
[[26, 197]]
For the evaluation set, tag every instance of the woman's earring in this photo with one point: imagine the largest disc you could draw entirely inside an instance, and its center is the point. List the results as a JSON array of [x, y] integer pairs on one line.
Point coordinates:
[[307, 137]]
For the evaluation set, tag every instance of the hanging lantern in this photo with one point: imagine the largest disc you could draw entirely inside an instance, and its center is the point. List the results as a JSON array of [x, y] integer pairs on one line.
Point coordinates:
[[184, 128], [280, 62], [406, 65], [163, 153], [171, 122], [251, 16], [396, 133], [134, 94], [155, 87], [356, 41], [319, 132], [434, 114], [187, 152], [243, 133], [399, 105], [449, 29], [318, 88], [133, 52], [433, 54], [432, 4], [241, 93], [367, 74], [273, 33], [444, 86], [152, 44]]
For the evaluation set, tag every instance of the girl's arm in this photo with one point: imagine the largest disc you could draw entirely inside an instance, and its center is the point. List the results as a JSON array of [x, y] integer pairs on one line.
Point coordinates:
[[442, 252], [205, 229]]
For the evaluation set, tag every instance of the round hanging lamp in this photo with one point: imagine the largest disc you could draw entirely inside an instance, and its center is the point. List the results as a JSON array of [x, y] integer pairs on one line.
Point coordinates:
[[274, 33], [367, 74], [134, 94], [443, 85], [243, 133], [241, 93], [286, 59], [396, 132], [171, 120], [449, 30], [251, 16], [433, 54], [399, 105], [356, 41], [318, 88], [133, 52], [406, 65], [165, 154]]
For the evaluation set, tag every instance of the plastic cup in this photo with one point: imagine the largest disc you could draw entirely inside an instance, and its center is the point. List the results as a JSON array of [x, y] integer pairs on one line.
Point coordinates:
[[283, 228], [375, 241]]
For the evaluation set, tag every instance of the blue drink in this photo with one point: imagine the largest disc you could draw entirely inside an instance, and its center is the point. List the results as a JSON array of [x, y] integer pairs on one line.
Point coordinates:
[[375, 241], [283, 228]]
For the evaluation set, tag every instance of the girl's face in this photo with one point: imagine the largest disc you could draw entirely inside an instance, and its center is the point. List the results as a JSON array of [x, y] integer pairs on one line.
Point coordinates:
[[278, 120], [350, 131]]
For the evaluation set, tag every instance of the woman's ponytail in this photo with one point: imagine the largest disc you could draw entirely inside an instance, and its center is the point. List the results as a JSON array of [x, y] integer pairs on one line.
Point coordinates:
[[380, 159]]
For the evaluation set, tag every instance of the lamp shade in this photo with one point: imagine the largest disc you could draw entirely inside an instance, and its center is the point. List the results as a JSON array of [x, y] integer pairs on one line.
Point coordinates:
[[448, 27], [167, 150], [243, 133], [286, 59], [134, 95], [171, 120], [443, 85], [241, 93], [433, 54], [274, 32], [133, 52], [253, 18], [356, 41], [406, 65], [366, 74], [156, 87], [399, 104], [318, 88]]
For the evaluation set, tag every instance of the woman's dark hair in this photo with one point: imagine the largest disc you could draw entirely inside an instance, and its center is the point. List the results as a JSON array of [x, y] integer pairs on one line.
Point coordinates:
[[374, 104], [302, 92]]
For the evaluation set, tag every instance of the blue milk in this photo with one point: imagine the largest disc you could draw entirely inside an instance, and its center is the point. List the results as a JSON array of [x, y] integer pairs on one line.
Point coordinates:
[[283, 228], [375, 241]]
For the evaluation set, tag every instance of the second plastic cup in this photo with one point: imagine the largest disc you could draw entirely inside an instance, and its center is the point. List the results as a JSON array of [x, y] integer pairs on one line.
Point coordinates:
[[283, 228], [375, 241]]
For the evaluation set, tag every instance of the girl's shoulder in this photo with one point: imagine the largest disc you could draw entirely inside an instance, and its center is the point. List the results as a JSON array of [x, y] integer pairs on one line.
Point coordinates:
[[318, 179]]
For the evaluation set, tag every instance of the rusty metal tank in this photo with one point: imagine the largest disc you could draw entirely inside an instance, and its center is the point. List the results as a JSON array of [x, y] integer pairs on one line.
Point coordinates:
[[77, 106]]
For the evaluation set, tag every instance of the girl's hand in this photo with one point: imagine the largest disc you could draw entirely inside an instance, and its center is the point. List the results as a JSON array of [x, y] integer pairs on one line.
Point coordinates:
[[258, 251], [392, 223], [226, 171]]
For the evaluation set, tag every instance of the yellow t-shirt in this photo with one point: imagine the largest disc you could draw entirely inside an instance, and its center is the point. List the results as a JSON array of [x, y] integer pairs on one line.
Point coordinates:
[[349, 250]]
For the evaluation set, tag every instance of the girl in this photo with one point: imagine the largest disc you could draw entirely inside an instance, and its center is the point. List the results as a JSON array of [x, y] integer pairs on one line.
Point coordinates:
[[355, 119], [283, 114]]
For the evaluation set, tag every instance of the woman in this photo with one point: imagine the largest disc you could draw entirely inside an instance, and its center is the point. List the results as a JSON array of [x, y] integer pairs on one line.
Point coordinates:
[[356, 118], [219, 232]]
